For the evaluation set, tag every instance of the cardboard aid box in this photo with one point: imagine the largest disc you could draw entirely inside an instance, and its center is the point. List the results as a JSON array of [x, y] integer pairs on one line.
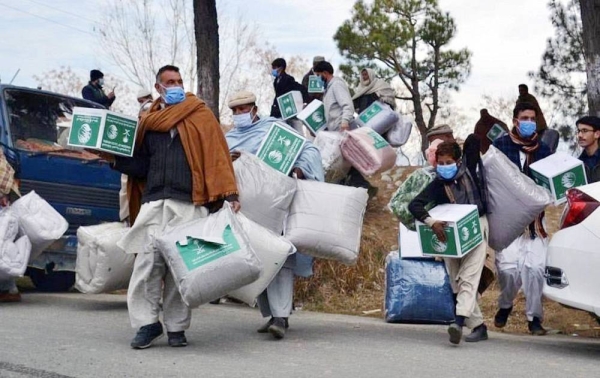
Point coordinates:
[[280, 148], [558, 173], [408, 242], [290, 104], [313, 116], [463, 232], [495, 132], [103, 130], [315, 85]]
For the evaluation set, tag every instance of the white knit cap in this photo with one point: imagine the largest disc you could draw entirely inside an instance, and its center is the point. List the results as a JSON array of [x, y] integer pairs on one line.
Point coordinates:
[[143, 93]]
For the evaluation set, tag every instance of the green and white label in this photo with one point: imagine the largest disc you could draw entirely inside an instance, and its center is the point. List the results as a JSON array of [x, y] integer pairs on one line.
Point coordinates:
[[495, 132], [287, 105], [370, 112], [315, 85], [119, 135], [469, 232], [570, 179], [316, 120], [431, 245], [280, 148], [197, 252], [378, 141], [85, 130], [541, 180]]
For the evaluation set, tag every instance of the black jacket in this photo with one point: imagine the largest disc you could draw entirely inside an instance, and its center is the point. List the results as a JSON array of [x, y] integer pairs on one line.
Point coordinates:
[[283, 84], [592, 166], [95, 93]]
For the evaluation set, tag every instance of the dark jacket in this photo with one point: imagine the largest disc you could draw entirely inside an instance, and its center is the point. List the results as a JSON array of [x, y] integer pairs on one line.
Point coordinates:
[[95, 93], [283, 84], [592, 165], [483, 127], [364, 101], [511, 150]]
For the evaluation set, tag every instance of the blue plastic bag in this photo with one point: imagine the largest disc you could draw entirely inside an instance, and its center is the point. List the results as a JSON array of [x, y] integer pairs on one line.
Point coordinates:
[[417, 291]]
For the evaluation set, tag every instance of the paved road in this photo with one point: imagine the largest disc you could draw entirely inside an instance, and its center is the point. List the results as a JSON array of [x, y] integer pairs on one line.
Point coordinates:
[[74, 335]]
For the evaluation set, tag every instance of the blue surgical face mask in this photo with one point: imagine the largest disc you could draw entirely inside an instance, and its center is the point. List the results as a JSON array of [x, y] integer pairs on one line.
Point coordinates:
[[275, 72], [447, 172], [173, 95], [243, 120], [323, 81], [526, 128]]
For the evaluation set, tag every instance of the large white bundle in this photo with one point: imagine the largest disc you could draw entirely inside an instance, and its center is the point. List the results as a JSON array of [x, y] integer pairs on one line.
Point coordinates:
[[9, 224], [326, 220], [39, 221], [399, 134], [101, 265], [514, 199], [334, 165], [14, 257], [367, 151], [265, 194], [271, 249], [379, 117], [209, 257]]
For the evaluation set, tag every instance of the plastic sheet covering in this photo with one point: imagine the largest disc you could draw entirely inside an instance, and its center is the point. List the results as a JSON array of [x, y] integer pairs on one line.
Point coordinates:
[[514, 199], [14, 257], [398, 135], [9, 224], [335, 166], [101, 265], [367, 151], [39, 221], [407, 191], [383, 121], [325, 220], [209, 257], [265, 194], [417, 291], [271, 249]]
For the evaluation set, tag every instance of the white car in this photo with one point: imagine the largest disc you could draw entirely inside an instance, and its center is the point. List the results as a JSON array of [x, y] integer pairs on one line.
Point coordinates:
[[573, 262]]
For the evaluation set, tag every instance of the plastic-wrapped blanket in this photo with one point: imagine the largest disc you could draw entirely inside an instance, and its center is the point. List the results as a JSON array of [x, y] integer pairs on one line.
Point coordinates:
[[379, 117], [399, 134], [265, 194], [101, 265], [271, 249], [326, 220], [209, 257], [514, 200], [417, 291], [367, 151], [334, 165], [14, 257], [9, 224], [39, 221], [408, 190]]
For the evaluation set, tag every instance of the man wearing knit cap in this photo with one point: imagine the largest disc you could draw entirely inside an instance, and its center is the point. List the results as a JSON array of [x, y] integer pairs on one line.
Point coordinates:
[[312, 96], [443, 132], [248, 133], [94, 92]]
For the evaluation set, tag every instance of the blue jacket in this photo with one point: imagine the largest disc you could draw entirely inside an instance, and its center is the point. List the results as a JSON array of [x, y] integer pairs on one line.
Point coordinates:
[[511, 150]]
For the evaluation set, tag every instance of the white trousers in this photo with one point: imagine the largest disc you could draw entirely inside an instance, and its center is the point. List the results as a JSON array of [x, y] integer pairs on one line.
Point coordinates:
[[465, 274], [522, 265], [151, 279], [276, 300]]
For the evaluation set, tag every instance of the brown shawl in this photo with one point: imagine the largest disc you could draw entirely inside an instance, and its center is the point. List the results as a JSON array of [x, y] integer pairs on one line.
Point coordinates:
[[204, 145]]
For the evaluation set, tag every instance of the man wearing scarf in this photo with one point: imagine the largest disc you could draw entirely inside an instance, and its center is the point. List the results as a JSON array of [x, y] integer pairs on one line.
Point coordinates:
[[247, 135], [371, 89], [522, 263], [180, 170]]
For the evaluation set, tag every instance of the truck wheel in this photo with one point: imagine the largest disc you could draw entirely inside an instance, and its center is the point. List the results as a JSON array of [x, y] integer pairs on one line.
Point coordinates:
[[51, 281]]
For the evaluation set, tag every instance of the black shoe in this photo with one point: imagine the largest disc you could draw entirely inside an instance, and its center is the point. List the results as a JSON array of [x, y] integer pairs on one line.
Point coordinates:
[[535, 327], [278, 327], [177, 339], [147, 335], [455, 332], [478, 334], [265, 327], [502, 317], [216, 301]]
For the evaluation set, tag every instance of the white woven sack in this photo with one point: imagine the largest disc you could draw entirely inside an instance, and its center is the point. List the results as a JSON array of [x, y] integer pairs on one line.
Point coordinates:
[[101, 265], [325, 220], [265, 194], [14, 257], [39, 221], [9, 224], [209, 257], [271, 249], [335, 166]]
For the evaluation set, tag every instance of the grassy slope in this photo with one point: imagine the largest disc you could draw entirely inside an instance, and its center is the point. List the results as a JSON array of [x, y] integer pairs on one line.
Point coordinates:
[[337, 288]]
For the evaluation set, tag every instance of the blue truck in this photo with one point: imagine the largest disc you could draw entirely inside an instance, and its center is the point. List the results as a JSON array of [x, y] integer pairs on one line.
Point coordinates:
[[34, 126]]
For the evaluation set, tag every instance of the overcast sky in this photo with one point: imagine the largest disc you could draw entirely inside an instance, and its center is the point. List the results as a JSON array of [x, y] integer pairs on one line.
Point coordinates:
[[507, 38]]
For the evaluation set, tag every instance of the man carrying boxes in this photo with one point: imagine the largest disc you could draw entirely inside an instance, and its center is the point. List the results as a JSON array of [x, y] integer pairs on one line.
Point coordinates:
[[457, 231], [522, 263], [284, 84], [250, 135]]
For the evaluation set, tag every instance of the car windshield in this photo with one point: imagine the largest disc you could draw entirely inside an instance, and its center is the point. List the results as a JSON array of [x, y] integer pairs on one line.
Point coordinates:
[[40, 122]]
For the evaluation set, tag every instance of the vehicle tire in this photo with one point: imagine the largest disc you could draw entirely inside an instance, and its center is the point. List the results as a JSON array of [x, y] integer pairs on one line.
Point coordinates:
[[52, 281]]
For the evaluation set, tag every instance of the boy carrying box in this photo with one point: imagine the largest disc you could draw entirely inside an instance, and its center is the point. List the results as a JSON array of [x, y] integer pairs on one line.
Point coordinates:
[[455, 184]]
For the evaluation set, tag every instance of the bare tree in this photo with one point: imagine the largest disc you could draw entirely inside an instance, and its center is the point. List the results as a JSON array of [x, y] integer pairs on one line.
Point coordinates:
[[590, 20], [206, 27]]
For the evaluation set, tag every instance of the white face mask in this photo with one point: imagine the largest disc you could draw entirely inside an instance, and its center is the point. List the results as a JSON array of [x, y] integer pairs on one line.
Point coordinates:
[[101, 81], [243, 120]]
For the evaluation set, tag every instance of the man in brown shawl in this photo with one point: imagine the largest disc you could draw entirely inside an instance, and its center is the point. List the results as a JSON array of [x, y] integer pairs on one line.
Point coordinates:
[[528, 98], [483, 127], [181, 170]]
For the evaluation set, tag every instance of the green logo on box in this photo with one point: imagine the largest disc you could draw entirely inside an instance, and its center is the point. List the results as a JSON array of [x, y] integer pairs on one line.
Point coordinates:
[[85, 130], [378, 141], [198, 252], [280, 148], [370, 112], [495, 132], [287, 106], [317, 119], [315, 85], [119, 134], [569, 179]]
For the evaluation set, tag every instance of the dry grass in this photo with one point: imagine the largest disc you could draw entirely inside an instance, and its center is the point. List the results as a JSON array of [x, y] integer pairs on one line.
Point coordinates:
[[336, 288]]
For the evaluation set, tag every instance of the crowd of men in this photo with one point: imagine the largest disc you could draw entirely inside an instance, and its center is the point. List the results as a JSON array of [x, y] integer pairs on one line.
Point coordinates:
[[182, 169]]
